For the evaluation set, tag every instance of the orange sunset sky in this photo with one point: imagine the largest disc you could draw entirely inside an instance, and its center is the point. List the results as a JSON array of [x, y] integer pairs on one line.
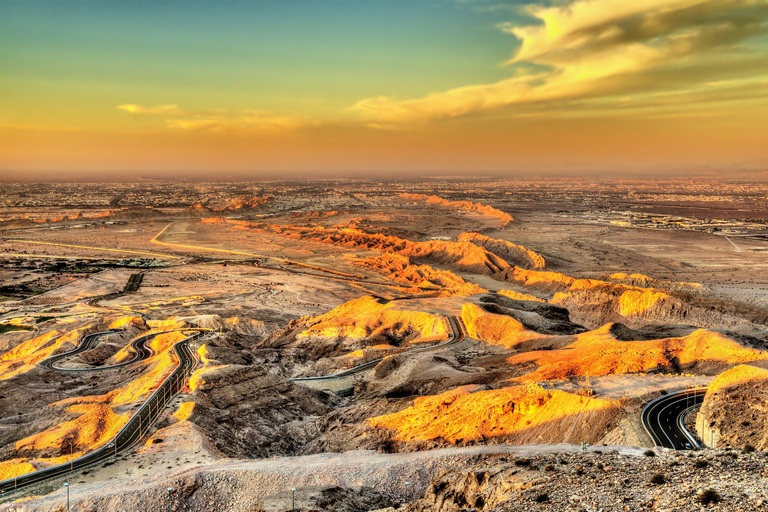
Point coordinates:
[[361, 88]]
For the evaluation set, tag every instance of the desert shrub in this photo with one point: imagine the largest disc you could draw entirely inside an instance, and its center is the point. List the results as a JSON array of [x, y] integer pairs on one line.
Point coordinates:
[[549, 467], [657, 479], [709, 496], [541, 498], [701, 463], [579, 470], [522, 462], [749, 448], [649, 453]]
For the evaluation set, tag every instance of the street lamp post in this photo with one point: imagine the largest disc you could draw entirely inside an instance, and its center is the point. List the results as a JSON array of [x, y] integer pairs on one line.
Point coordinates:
[[66, 485], [406, 490], [293, 499], [169, 498]]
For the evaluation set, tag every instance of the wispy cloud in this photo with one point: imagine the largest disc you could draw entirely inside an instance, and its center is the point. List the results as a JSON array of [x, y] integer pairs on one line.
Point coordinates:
[[219, 120], [604, 49], [150, 111], [38, 128]]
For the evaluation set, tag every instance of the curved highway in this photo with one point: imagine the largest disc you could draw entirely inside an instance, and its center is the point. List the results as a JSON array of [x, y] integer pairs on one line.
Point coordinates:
[[138, 346], [459, 334], [150, 409], [136, 426], [663, 419]]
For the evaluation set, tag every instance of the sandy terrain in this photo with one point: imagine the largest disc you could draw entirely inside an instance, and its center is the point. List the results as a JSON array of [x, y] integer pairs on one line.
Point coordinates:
[[574, 321]]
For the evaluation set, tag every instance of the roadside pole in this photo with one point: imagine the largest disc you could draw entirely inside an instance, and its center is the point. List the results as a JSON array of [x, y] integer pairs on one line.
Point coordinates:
[[66, 485]]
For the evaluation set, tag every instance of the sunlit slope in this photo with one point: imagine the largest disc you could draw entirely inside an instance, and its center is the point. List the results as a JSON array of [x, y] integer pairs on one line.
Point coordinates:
[[598, 352], [735, 408], [512, 253], [592, 302], [88, 422], [459, 206], [517, 414], [361, 323], [419, 278], [27, 354]]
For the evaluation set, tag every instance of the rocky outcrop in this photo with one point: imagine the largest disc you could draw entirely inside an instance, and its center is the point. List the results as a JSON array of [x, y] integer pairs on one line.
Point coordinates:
[[601, 481], [512, 253], [489, 211], [419, 278], [245, 410], [735, 409], [356, 325]]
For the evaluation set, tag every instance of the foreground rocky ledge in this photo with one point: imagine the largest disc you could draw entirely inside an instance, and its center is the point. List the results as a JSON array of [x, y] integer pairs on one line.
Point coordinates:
[[488, 478]]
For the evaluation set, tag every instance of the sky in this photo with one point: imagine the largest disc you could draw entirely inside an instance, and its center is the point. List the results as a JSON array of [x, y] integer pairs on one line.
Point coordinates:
[[326, 88]]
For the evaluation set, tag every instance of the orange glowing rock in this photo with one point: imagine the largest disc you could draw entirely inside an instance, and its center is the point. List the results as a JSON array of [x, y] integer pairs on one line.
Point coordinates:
[[185, 411], [165, 341], [367, 317], [160, 365], [734, 408], [15, 467], [598, 352], [515, 254], [495, 329], [202, 352], [738, 376], [471, 413], [489, 211], [165, 325], [635, 302], [519, 296], [543, 281], [27, 354], [198, 378], [95, 426], [421, 277], [465, 256], [126, 321]]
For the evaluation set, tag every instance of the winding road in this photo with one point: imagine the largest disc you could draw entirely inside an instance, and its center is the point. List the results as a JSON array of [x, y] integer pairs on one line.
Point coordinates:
[[138, 346], [663, 419], [459, 334], [139, 422]]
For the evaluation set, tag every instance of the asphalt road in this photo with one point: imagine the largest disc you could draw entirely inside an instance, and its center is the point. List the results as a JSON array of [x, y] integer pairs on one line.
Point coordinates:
[[459, 333], [663, 419], [89, 341], [134, 429]]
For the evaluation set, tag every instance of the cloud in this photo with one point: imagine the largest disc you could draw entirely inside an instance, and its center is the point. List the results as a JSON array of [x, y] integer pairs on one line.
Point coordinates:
[[38, 128], [246, 120], [219, 120], [603, 49], [150, 111]]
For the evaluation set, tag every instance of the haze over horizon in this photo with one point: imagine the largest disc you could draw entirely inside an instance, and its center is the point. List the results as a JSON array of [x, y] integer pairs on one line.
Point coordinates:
[[265, 89]]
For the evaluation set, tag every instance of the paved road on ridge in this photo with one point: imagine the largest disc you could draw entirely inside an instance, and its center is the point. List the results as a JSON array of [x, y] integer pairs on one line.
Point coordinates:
[[89, 341], [459, 333], [136, 426]]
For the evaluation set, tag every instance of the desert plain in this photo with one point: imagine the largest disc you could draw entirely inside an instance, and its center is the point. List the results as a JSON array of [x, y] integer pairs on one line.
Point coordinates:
[[441, 344]]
